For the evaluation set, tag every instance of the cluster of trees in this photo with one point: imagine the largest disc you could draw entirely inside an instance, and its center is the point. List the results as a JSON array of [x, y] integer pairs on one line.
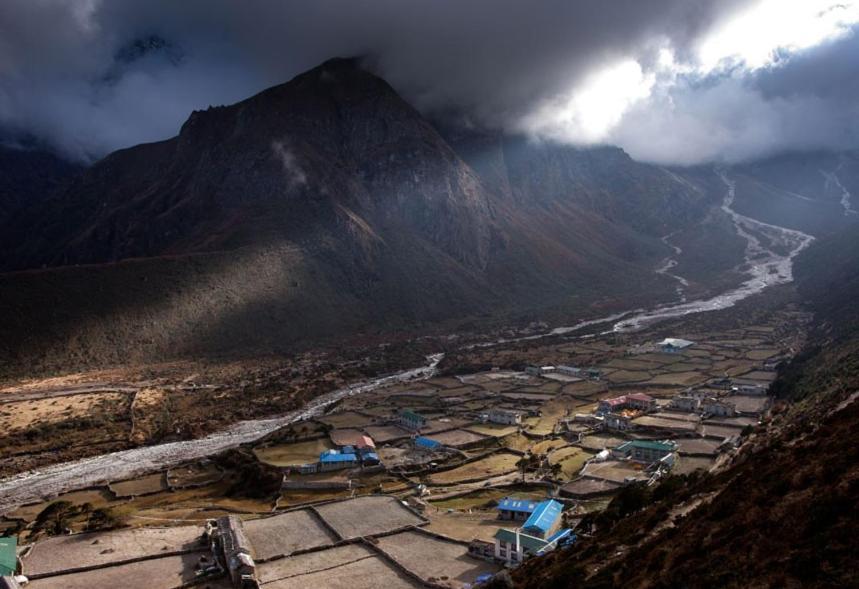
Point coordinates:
[[59, 517], [249, 477]]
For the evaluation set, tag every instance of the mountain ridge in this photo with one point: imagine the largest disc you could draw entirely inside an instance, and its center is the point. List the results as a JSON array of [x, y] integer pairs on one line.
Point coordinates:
[[329, 205]]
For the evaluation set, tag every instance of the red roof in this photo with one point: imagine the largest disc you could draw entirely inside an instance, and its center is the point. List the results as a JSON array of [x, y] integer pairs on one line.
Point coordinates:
[[366, 442], [351, 437], [615, 401]]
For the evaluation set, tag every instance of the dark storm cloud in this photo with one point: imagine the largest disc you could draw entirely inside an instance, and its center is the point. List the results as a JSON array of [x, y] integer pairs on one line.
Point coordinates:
[[63, 75], [91, 76], [828, 71]]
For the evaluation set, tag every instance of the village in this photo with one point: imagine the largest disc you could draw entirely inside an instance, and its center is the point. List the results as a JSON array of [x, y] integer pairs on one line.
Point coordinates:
[[438, 483]]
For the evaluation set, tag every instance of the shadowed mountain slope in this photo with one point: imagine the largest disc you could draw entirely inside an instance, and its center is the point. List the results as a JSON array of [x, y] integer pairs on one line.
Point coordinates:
[[323, 206], [29, 175]]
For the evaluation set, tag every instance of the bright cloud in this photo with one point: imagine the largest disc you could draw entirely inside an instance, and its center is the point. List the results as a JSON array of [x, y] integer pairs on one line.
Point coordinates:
[[705, 106], [594, 107], [756, 36], [668, 80]]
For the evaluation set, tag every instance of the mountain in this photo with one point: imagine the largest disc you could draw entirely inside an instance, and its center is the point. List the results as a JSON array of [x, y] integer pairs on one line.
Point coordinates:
[[810, 191], [603, 180], [328, 207], [324, 206]]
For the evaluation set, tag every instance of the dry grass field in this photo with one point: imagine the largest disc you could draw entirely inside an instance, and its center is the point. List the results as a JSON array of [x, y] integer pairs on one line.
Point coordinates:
[[346, 567], [546, 446], [346, 419], [688, 464], [25, 414], [85, 550], [550, 413], [386, 433], [152, 483], [298, 497], [365, 516], [615, 471], [599, 442], [194, 474], [571, 460], [493, 429], [762, 354], [151, 414], [285, 533], [464, 526], [624, 376], [293, 454], [679, 379], [635, 363], [457, 437], [448, 561], [168, 572], [697, 445], [494, 465], [746, 404], [657, 422], [486, 498]]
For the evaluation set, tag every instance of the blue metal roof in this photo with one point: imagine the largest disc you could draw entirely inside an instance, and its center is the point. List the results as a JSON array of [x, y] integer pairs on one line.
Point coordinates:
[[559, 535], [427, 442], [371, 456], [519, 505], [544, 517], [337, 457]]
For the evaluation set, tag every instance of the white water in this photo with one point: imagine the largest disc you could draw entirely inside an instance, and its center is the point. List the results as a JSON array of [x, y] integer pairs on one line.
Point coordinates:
[[763, 267], [832, 179], [671, 262], [32, 486]]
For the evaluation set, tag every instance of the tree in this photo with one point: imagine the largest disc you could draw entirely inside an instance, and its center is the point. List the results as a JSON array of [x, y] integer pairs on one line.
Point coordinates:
[[54, 519], [102, 519]]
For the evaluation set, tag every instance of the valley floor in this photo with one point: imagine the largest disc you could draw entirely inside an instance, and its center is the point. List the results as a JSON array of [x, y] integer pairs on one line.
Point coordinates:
[[452, 491]]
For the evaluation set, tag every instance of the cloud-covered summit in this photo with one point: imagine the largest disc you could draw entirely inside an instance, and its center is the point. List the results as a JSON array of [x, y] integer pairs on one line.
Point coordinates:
[[90, 76]]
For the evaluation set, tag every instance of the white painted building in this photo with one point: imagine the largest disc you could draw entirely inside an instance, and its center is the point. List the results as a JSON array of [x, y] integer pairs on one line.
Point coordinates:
[[616, 421], [717, 407], [672, 345], [684, 403]]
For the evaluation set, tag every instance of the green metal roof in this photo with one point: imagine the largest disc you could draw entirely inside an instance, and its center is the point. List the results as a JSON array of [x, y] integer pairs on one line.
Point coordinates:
[[531, 544], [8, 555], [409, 414]]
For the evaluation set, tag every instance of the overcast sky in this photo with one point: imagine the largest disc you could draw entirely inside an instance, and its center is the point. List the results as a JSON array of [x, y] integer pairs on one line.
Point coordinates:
[[670, 81]]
